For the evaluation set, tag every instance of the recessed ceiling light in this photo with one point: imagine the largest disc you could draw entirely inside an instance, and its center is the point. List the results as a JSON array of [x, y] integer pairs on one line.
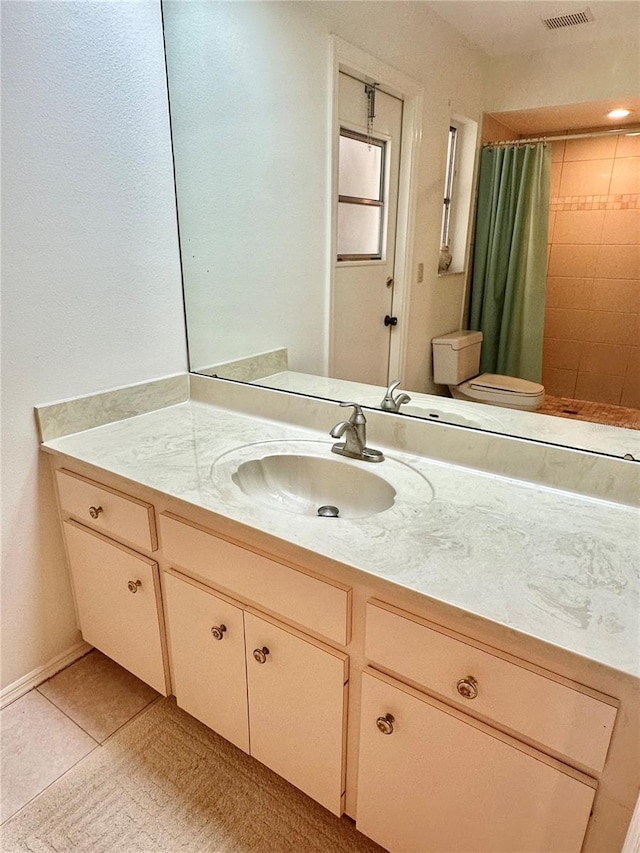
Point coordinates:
[[620, 113]]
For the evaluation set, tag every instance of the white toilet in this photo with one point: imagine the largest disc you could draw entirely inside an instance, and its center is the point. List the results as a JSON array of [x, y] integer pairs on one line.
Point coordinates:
[[456, 362]]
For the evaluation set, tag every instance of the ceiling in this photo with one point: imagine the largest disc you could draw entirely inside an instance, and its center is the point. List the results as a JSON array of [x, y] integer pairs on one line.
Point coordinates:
[[515, 26]]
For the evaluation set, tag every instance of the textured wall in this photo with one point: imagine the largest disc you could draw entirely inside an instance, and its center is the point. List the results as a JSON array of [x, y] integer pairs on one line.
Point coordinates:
[[91, 278]]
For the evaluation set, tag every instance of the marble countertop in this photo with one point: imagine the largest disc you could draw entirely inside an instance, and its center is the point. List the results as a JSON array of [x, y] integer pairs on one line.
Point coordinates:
[[615, 441], [550, 564]]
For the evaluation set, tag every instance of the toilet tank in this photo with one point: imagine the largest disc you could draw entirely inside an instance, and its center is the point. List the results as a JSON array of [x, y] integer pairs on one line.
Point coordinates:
[[456, 357]]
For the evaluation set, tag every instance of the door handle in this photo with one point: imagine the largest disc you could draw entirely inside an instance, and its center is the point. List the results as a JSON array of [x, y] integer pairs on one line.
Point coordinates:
[[390, 321]]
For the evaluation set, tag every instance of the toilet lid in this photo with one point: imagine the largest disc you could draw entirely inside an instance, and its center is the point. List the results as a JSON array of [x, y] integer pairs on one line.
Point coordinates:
[[507, 384]]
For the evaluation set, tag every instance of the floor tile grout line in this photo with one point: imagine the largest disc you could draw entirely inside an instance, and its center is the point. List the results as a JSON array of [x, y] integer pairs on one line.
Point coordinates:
[[53, 782], [69, 717], [139, 713], [98, 745]]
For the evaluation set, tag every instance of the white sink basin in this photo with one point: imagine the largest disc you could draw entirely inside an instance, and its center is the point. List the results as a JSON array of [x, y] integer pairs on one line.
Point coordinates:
[[304, 484], [303, 476]]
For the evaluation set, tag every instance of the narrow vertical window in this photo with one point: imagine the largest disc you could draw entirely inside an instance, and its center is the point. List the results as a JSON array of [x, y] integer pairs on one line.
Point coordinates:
[[445, 236], [360, 197]]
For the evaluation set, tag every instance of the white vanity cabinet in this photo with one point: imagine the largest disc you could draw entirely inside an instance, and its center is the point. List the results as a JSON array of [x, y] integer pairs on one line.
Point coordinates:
[[117, 594], [207, 652], [116, 589], [266, 687], [433, 776], [433, 779], [454, 744]]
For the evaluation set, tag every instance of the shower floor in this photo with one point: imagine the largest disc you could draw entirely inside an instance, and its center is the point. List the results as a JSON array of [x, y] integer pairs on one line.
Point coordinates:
[[596, 413]]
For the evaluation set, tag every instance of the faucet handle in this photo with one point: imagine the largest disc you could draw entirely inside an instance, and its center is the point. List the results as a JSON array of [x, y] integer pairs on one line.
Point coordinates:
[[392, 387], [357, 415]]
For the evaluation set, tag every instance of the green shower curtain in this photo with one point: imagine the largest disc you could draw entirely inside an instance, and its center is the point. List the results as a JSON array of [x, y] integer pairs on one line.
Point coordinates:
[[510, 258]]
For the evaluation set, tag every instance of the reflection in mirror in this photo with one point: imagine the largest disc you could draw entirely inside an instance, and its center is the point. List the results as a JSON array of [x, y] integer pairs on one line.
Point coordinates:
[[257, 109]]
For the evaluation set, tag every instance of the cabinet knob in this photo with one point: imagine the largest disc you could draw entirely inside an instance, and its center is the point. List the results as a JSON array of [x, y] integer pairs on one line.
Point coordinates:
[[385, 724], [468, 687], [218, 632], [94, 511], [261, 654], [132, 586]]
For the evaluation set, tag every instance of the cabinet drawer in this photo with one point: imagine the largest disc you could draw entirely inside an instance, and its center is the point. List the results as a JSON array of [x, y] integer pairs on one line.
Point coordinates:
[[125, 626], [105, 509], [310, 602], [550, 712]]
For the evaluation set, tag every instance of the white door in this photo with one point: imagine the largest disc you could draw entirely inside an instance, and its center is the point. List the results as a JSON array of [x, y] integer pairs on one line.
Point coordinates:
[[206, 635], [297, 713], [367, 203], [117, 594]]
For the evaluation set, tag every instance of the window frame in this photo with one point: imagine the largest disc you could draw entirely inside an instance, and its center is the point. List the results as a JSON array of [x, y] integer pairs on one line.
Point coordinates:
[[445, 230], [380, 202]]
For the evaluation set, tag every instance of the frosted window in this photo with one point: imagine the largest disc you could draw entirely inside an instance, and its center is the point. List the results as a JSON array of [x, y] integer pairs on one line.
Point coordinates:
[[358, 230], [360, 168]]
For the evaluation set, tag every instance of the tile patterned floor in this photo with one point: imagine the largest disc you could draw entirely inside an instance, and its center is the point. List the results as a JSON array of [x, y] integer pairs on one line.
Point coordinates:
[[596, 413], [48, 730]]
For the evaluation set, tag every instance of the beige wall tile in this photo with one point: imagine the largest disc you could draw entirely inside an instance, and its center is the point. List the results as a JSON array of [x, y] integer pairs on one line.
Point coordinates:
[[579, 226], [97, 694], [607, 359], [631, 388], [611, 328], [39, 744], [571, 260], [556, 175], [617, 262], [599, 388], [559, 382], [567, 324], [586, 177], [628, 146], [557, 151], [565, 292], [621, 226], [552, 222], [616, 294], [625, 177], [596, 148], [562, 354]]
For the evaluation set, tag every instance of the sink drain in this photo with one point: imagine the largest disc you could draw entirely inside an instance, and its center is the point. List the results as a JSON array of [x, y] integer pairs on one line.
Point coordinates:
[[328, 511]]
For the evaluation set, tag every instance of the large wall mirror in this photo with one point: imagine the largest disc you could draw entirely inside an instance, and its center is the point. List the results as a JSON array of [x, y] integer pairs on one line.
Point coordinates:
[[313, 143]]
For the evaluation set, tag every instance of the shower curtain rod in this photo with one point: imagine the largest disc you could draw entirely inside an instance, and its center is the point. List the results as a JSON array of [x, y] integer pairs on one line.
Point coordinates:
[[615, 132]]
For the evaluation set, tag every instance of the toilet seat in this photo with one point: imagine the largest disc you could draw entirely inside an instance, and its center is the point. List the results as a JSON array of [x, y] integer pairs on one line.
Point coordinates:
[[496, 390]]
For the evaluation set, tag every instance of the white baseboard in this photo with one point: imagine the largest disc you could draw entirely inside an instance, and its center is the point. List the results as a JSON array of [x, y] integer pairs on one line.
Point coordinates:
[[632, 841], [42, 673]]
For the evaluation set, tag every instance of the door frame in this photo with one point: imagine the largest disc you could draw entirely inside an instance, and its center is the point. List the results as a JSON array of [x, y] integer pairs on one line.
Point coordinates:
[[352, 60]]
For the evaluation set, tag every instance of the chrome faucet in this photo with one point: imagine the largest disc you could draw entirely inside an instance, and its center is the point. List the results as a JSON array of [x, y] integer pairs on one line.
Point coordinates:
[[391, 403], [355, 432]]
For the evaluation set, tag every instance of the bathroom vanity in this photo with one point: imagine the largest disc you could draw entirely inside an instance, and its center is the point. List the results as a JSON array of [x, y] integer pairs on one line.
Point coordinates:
[[457, 671]]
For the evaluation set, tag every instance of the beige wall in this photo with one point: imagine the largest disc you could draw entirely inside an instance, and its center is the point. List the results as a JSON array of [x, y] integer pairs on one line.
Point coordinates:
[[592, 320]]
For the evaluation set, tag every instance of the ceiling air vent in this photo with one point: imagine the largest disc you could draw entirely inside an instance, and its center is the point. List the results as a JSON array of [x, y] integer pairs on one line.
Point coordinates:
[[571, 19]]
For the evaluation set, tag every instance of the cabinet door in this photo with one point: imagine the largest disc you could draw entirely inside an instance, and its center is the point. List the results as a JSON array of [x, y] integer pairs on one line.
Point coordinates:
[[297, 717], [440, 783], [117, 595], [206, 639]]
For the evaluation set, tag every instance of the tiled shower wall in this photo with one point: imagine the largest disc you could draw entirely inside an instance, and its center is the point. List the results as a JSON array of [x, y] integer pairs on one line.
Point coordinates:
[[592, 319]]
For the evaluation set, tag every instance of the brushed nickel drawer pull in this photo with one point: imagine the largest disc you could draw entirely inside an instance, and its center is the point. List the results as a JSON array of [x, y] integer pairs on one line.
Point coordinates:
[[261, 654], [133, 585], [94, 511], [218, 632], [468, 687], [385, 724]]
